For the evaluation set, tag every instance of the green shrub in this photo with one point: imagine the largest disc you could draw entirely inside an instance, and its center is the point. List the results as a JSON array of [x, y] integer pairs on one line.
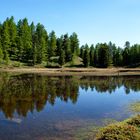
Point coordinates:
[[118, 132], [135, 121], [16, 64]]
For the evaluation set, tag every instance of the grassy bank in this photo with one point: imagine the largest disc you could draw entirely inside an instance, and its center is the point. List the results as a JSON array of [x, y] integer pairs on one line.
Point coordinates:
[[73, 71], [127, 130]]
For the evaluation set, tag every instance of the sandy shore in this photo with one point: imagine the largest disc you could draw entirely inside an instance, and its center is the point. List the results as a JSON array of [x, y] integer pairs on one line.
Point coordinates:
[[75, 71]]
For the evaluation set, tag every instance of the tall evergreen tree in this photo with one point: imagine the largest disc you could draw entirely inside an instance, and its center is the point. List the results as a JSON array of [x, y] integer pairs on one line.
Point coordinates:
[[126, 54], [33, 50], [117, 57], [52, 44], [26, 39], [13, 36], [91, 55], [86, 56], [1, 51], [67, 49], [19, 41], [59, 45], [62, 57], [96, 55], [74, 44], [104, 56], [82, 51], [5, 40], [41, 43]]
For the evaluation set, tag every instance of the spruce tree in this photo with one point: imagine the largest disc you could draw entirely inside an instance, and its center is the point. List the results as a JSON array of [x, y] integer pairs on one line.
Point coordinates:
[[91, 55], [74, 44], [67, 49], [62, 57], [26, 40], [5, 41], [41, 43], [33, 50], [86, 56], [52, 44], [19, 41], [13, 36], [104, 55], [59, 45]]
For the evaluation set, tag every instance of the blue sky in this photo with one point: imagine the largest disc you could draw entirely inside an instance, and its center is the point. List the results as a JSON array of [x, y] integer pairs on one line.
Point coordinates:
[[93, 20]]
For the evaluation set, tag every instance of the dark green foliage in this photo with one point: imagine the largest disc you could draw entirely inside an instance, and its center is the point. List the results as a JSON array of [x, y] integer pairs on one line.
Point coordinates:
[[103, 53], [82, 51], [40, 46], [74, 44], [13, 38], [86, 56], [91, 55], [117, 57], [126, 54], [66, 47], [5, 40], [26, 41], [34, 50], [52, 44], [62, 57], [59, 45], [1, 55]]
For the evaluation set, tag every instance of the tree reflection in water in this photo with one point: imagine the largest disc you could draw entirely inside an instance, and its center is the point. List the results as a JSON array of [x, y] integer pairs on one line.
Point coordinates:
[[28, 92]]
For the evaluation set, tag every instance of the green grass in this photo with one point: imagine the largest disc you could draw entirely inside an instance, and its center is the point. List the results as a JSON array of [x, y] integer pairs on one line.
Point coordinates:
[[76, 62]]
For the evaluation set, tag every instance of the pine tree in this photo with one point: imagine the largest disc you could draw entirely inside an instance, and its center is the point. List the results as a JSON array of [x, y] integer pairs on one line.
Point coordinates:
[[59, 45], [86, 56], [74, 44], [1, 52], [41, 43], [103, 56], [1, 55], [13, 36], [5, 41], [96, 55], [126, 54], [52, 44], [91, 55], [117, 57], [67, 49], [26, 39], [82, 51], [62, 57], [34, 52], [19, 41]]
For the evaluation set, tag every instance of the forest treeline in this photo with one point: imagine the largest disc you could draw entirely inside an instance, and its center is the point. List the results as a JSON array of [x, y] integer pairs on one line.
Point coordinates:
[[32, 44]]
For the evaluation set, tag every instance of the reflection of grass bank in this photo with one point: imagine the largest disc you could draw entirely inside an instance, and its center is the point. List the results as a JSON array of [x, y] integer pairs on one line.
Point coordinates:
[[89, 132], [128, 129], [72, 71], [135, 107]]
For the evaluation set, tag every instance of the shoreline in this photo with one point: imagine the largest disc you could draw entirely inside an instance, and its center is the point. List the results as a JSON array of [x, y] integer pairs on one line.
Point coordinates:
[[74, 71]]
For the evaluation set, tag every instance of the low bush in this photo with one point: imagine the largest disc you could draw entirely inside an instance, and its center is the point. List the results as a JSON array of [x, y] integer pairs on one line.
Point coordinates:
[[126, 130]]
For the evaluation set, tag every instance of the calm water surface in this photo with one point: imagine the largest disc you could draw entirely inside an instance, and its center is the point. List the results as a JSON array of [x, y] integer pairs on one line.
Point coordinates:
[[35, 107]]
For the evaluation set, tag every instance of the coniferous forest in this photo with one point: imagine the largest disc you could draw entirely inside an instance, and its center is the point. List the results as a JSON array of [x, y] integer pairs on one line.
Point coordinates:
[[32, 45]]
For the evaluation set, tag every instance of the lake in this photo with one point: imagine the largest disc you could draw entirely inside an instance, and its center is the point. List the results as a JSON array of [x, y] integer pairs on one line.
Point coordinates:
[[39, 107]]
